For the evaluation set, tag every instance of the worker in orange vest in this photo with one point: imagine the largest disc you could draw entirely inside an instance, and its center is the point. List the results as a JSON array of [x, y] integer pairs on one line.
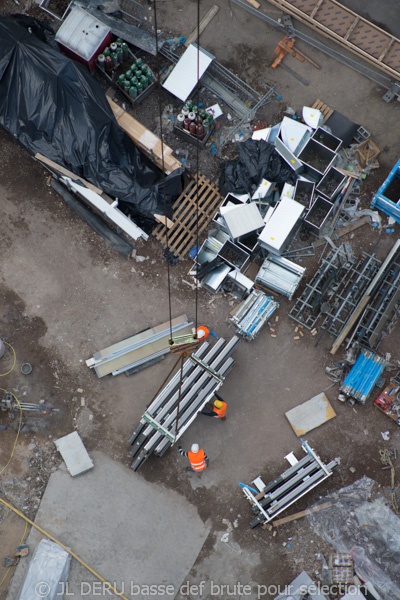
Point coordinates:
[[202, 332], [197, 457], [218, 409]]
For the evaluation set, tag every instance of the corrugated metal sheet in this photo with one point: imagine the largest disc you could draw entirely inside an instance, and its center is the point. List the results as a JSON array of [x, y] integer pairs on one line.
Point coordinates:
[[184, 76], [280, 275], [243, 220]]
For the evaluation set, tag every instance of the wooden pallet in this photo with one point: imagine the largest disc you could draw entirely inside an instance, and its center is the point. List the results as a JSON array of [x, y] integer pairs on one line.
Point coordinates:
[[326, 110], [187, 220]]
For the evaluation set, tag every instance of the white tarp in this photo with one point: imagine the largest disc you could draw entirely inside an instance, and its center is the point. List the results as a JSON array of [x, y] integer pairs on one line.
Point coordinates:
[[47, 573]]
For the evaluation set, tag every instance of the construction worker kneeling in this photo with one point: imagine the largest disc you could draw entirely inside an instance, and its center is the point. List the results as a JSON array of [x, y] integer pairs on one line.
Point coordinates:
[[216, 410], [197, 457]]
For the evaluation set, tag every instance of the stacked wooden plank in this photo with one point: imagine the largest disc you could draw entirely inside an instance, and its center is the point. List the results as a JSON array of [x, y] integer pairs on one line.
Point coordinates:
[[192, 213], [139, 349], [147, 141]]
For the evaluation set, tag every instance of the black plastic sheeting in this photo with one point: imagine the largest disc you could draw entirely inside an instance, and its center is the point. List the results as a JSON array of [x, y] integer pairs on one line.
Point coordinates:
[[257, 160], [53, 106]]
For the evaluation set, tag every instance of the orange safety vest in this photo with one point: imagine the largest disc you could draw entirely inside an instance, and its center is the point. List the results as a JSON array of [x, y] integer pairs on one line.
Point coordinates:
[[206, 331], [220, 412], [197, 460]]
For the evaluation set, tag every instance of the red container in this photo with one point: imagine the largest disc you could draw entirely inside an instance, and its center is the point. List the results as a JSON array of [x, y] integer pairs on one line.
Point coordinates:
[[82, 37]]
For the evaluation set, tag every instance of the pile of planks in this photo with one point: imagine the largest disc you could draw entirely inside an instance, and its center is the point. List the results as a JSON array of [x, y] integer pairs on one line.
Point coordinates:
[[147, 141]]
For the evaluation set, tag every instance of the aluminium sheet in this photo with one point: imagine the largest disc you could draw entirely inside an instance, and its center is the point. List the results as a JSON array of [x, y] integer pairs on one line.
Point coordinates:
[[281, 224], [280, 275], [243, 220], [188, 71]]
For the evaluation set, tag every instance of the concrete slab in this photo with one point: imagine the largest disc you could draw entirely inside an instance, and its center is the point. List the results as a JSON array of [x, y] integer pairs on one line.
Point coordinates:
[[134, 533], [74, 454], [310, 414]]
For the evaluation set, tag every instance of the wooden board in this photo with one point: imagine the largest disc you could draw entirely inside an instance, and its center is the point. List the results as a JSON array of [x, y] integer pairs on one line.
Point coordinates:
[[254, 3], [145, 139], [301, 514], [52, 165], [188, 221], [203, 24], [311, 414], [324, 108]]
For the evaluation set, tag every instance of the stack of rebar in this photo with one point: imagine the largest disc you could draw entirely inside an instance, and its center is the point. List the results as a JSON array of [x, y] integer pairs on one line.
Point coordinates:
[[177, 405]]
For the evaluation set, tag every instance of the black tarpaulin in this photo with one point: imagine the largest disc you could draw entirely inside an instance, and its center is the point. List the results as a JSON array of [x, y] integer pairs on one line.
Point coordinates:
[[257, 160], [53, 106]]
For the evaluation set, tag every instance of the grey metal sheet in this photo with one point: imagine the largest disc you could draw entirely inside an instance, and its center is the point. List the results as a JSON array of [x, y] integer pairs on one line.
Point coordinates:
[[213, 281], [288, 156], [281, 224], [243, 220], [127, 31], [281, 275]]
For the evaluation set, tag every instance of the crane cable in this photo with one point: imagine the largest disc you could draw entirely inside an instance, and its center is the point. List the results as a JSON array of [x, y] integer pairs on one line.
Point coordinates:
[[167, 250], [197, 163], [165, 200]]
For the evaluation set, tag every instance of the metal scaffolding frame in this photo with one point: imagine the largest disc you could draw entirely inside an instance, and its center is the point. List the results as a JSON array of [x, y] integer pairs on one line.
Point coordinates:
[[232, 90], [349, 293], [381, 313], [177, 405], [321, 288], [304, 475]]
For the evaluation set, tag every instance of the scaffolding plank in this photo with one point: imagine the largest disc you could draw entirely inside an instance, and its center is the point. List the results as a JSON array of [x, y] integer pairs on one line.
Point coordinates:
[[352, 31]]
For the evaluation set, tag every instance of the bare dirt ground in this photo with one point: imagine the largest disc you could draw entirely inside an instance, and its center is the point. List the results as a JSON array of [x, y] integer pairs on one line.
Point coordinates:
[[65, 294]]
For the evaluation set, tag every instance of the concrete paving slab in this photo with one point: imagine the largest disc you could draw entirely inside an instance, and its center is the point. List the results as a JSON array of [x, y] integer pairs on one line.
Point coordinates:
[[74, 454], [310, 414], [134, 533]]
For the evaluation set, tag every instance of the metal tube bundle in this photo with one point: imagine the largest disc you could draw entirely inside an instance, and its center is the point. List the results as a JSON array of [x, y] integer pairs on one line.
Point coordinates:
[[176, 406], [250, 317], [363, 376]]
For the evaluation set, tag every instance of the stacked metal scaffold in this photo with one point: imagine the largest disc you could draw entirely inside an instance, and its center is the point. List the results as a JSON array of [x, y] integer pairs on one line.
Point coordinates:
[[302, 476], [250, 316], [177, 405]]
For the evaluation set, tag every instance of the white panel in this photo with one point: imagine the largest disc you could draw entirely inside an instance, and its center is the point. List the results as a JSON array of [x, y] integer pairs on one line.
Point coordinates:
[[183, 78], [82, 33], [283, 220]]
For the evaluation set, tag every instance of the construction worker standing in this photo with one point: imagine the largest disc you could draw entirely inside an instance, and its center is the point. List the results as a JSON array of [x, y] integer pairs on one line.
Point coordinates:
[[202, 332], [197, 457], [218, 409]]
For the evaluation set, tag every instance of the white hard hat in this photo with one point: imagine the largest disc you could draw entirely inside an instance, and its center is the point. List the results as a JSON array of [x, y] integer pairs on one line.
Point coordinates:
[[200, 334], [195, 448]]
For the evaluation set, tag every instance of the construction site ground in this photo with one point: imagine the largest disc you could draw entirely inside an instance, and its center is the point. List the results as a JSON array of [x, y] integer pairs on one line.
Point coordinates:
[[65, 294]]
